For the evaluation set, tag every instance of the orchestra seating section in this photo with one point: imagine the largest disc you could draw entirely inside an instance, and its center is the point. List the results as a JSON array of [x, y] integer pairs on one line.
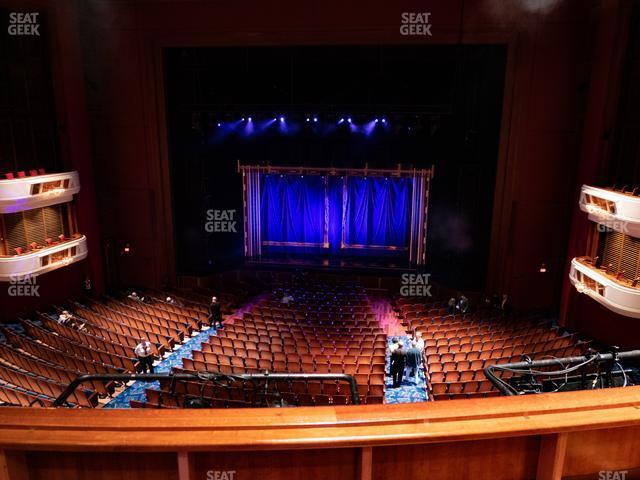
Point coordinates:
[[459, 346], [39, 357], [327, 328]]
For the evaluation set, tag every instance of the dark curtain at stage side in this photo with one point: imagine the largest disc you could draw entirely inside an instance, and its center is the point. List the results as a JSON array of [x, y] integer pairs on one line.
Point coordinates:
[[292, 209], [377, 211]]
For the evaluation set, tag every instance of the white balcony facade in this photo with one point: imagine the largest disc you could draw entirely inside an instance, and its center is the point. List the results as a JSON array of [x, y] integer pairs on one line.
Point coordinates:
[[614, 295], [26, 193], [14, 268], [613, 210]]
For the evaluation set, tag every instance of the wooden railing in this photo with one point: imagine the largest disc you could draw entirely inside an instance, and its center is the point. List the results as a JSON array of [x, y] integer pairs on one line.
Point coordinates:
[[574, 434]]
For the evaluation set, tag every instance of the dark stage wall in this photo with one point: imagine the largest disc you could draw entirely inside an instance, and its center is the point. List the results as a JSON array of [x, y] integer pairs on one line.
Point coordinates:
[[442, 106]]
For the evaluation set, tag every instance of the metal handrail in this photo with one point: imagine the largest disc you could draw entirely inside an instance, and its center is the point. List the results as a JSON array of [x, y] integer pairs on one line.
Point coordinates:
[[597, 357], [206, 376]]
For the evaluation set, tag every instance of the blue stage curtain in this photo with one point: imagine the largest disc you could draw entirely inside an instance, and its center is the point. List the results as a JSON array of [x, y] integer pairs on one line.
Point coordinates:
[[292, 209], [377, 211]]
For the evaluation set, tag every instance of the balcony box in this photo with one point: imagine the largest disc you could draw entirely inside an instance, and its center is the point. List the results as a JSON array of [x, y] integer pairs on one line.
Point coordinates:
[[38, 191], [43, 260], [606, 290]]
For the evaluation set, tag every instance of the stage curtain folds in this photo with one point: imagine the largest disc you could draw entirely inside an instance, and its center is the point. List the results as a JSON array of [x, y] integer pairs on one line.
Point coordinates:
[[377, 210], [293, 209]]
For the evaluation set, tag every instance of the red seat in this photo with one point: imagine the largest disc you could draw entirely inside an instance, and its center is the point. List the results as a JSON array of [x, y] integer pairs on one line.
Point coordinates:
[[21, 174], [9, 176]]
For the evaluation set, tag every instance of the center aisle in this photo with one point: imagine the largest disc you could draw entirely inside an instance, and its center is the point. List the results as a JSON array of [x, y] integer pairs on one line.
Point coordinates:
[[408, 392]]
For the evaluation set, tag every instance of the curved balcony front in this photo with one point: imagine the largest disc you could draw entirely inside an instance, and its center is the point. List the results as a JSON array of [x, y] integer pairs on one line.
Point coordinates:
[[38, 191], [618, 295], [15, 267], [615, 210]]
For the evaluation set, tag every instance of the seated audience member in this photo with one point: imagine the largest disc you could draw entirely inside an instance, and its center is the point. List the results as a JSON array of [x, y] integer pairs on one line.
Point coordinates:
[[170, 300], [215, 315], [134, 296], [286, 299], [463, 304], [64, 317], [145, 356], [398, 361], [413, 361], [451, 306]]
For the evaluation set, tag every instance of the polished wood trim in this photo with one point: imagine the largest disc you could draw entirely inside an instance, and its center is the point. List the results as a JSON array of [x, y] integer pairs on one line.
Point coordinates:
[[185, 466], [553, 449], [365, 463], [317, 427], [13, 466]]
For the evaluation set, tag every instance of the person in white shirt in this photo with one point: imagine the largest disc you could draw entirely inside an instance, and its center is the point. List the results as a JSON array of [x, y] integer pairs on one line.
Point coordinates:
[[419, 341], [145, 356], [64, 317], [395, 344]]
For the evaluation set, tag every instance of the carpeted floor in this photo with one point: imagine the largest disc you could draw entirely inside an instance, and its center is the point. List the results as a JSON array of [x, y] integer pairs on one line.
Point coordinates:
[[409, 391], [136, 390]]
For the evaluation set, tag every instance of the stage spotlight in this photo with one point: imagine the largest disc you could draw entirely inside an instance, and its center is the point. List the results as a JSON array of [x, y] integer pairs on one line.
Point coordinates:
[[219, 124], [376, 120], [384, 120], [315, 119], [543, 268], [349, 119], [341, 120], [308, 119], [282, 119], [249, 119]]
